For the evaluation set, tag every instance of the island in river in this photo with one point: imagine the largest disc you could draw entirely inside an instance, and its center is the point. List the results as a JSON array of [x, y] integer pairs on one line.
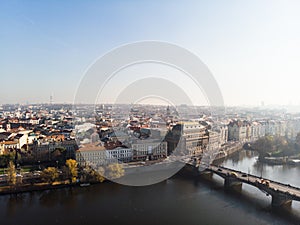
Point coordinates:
[[277, 149]]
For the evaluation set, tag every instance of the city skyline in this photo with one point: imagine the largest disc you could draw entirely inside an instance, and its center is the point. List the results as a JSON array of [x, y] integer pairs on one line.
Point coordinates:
[[250, 48]]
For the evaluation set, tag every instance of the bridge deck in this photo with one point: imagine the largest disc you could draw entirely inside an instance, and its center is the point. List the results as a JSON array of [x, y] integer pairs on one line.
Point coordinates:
[[267, 185]]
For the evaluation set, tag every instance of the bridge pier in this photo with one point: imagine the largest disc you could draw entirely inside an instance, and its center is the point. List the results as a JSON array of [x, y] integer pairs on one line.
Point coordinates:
[[280, 199], [206, 174], [231, 182]]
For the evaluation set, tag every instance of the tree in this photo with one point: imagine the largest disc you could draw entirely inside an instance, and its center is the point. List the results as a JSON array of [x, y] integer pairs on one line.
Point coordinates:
[[100, 174], [298, 140], [59, 153], [50, 174], [264, 145], [72, 167], [115, 171], [12, 175], [5, 159], [91, 175]]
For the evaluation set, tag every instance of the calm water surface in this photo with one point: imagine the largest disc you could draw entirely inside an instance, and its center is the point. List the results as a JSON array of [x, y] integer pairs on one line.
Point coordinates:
[[178, 200]]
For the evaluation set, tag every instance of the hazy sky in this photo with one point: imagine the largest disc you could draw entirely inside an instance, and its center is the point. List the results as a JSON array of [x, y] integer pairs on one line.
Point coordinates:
[[251, 47]]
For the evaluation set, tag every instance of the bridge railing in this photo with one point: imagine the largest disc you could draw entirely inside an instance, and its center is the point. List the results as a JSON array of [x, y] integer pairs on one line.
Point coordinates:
[[275, 182]]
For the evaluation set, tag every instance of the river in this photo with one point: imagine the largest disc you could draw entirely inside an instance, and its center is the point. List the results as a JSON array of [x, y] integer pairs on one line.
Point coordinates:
[[178, 200]]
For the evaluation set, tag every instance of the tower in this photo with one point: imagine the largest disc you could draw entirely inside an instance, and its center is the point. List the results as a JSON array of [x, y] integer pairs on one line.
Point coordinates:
[[168, 111], [51, 99]]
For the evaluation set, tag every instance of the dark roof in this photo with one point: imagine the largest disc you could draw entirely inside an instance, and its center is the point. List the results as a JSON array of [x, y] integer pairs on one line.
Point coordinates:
[[4, 135], [18, 136]]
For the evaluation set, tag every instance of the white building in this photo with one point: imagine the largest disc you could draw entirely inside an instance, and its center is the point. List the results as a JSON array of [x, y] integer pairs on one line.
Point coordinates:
[[255, 131], [118, 155], [97, 155], [213, 141], [149, 149]]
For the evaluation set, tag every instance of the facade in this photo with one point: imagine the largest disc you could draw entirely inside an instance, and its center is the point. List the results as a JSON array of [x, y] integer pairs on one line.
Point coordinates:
[[45, 151], [193, 138], [213, 141], [237, 131], [223, 134], [149, 149], [282, 128], [91, 155], [97, 155], [270, 128], [118, 155], [255, 131], [262, 129], [6, 146]]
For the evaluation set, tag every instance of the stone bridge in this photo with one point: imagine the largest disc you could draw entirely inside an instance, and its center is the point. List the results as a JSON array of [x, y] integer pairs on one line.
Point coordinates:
[[282, 194]]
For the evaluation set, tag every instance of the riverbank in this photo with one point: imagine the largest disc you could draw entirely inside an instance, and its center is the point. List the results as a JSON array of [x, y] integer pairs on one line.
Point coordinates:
[[168, 167], [280, 160], [24, 188], [277, 160], [33, 187], [228, 150]]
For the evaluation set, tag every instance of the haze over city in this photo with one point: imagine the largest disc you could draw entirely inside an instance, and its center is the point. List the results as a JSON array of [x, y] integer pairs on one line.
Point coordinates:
[[252, 48], [149, 112]]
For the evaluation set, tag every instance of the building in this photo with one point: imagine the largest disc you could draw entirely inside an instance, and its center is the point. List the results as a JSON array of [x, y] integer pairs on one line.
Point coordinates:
[[91, 154], [191, 137], [46, 150], [255, 131], [97, 155], [149, 150], [213, 141], [118, 155], [222, 129], [237, 130]]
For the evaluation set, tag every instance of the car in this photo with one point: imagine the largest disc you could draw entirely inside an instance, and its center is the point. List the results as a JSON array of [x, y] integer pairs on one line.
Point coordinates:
[[233, 174], [244, 175]]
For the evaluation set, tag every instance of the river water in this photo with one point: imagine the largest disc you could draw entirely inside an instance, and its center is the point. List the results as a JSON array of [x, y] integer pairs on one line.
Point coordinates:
[[178, 200]]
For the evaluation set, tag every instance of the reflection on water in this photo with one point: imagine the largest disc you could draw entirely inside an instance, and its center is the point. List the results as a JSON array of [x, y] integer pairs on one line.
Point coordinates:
[[246, 161], [178, 200]]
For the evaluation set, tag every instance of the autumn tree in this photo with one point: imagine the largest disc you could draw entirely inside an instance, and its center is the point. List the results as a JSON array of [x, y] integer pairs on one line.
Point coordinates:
[[72, 168], [100, 174], [50, 174], [12, 174], [89, 174], [114, 171]]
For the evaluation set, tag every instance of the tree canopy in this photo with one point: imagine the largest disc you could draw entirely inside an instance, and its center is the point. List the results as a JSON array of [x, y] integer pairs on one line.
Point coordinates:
[[50, 174], [72, 167], [115, 171], [12, 174]]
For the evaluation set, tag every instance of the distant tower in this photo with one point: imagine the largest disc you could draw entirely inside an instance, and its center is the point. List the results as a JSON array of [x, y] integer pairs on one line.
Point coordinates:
[[51, 99], [168, 111]]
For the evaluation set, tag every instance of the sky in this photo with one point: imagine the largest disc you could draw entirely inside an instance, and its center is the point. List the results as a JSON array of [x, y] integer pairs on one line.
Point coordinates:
[[252, 48]]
